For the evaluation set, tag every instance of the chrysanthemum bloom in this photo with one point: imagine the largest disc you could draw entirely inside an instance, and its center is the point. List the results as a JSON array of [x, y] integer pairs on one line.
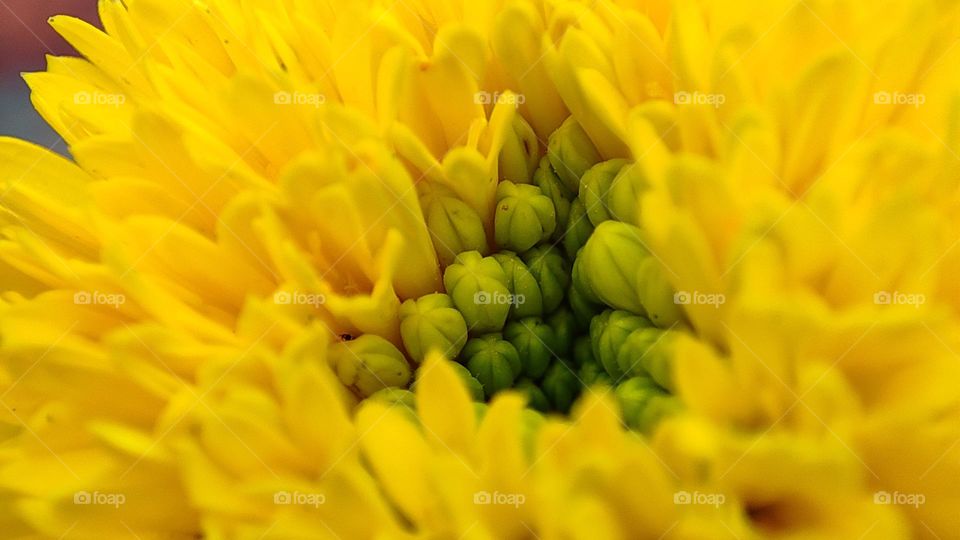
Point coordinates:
[[197, 305]]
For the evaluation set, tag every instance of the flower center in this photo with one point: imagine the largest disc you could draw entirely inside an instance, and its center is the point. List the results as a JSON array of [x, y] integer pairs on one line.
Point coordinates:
[[570, 298]]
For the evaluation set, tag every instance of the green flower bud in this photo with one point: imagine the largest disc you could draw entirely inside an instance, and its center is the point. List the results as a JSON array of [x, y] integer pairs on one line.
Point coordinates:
[[478, 287], [591, 373], [581, 283], [649, 351], [621, 272], [551, 186], [623, 201], [369, 363], [396, 396], [524, 216], [400, 398], [527, 301], [644, 404], [578, 230], [469, 381], [561, 386], [583, 350], [431, 322], [550, 270], [535, 341], [454, 226], [564, 326], [473, 385], [595, 188], [535, 396], [583, 309], [493, 361], [608, 332], [480, 409], [520, 152], [571, 153]]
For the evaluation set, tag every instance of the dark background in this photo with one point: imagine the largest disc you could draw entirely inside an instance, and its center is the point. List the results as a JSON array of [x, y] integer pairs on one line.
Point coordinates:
[[25, 40]]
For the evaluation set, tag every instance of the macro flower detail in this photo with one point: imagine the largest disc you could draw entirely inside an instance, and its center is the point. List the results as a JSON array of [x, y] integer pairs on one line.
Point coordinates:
[[431, 323], [668, 269]]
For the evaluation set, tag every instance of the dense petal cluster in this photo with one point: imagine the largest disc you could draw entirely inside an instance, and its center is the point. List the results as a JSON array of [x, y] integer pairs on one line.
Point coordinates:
[[277, 215]]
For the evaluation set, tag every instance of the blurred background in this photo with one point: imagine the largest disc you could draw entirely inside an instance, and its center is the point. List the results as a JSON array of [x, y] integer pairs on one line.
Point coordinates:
[[25, 40]]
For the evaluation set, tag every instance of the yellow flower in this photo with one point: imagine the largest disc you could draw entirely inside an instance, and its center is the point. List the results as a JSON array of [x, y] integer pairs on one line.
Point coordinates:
[[196, 303]]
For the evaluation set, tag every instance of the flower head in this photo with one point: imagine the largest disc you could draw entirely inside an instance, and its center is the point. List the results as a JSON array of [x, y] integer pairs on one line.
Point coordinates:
[[211, 313]]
